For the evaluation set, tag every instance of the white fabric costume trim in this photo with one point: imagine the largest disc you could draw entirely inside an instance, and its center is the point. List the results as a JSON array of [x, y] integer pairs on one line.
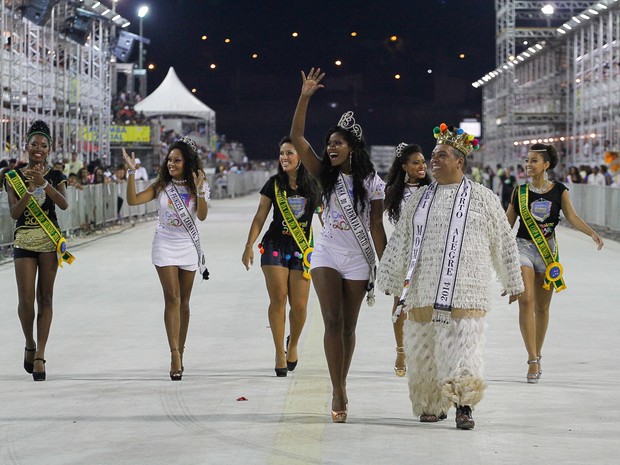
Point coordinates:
[[445, 364]]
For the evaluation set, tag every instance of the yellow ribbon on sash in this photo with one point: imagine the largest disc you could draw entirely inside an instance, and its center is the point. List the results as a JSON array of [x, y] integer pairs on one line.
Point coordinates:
[[554, 271], [306, 246], [46, 224]]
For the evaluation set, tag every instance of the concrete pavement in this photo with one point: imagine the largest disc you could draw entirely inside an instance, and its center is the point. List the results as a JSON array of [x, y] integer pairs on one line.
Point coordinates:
[[108, 398]]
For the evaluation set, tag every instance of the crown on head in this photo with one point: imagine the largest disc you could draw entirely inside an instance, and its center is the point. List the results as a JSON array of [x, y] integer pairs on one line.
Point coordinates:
[[399, 149], [348, 122], [457, 138], [187, 141]]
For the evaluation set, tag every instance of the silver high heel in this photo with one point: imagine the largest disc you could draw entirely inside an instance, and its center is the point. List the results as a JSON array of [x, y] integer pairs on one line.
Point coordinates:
[[532, 378], [539, 367]]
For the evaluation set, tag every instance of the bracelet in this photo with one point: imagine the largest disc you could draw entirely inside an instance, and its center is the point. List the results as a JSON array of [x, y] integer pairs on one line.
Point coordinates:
[[43, 186], [28, 192], [130, 172]]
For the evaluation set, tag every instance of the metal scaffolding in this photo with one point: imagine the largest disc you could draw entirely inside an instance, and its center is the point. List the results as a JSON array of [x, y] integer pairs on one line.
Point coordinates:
[[47, 75], [564, 89]]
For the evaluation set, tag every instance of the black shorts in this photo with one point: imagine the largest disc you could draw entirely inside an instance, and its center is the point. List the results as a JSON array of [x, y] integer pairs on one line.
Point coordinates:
[[277, 254], [24, 253]]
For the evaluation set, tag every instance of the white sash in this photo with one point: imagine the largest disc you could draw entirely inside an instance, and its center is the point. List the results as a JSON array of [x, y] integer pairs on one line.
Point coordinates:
[[452, 249], [360, 232], [187, 220]]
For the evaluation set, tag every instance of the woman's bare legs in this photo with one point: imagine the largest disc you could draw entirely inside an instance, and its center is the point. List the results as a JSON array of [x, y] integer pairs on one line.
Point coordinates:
[[276, 280], [533, 315], [299, 289], [340, 302], [400, 366], [177, 285], [26, 276]]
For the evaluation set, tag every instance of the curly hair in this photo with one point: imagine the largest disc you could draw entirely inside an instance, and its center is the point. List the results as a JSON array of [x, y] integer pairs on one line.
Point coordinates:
[[395, 183], [39, 127], [361, 168], [548, 152], [191, 164], [307, 184]]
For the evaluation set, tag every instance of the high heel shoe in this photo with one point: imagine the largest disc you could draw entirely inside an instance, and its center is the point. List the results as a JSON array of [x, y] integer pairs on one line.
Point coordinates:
[[281, 372], [532, 378], [176, 375], [400, 371], [539, 366], [28, 366], [289, 365], [38, 375], [339, 416]]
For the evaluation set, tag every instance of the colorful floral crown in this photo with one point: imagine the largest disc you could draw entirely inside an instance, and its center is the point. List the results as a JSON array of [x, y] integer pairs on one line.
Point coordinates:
[[456, 137], [190, 143], [348, 122]]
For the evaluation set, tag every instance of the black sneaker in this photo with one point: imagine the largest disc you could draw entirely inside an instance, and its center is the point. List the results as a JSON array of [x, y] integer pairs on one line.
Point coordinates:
[[464, 420]]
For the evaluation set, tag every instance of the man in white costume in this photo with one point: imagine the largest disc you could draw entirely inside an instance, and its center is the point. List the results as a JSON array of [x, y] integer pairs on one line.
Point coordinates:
[[450, 237]]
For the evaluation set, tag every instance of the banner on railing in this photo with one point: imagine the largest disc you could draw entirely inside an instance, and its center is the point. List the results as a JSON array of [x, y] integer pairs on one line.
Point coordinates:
[[121, 134]]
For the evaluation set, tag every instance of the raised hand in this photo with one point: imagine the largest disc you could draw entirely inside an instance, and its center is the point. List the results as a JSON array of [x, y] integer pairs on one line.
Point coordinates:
[[199, 180], [312, 82], [34, 176], [129, 161]]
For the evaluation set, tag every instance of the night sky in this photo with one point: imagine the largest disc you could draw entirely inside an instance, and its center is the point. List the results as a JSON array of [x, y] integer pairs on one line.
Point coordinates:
[[254, 98]]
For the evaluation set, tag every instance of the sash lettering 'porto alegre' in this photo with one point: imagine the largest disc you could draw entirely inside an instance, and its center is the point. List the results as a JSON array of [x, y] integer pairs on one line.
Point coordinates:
[[46, 224], [305, 246], [190, 226], [553, 274], [452, 251], [359, 230]]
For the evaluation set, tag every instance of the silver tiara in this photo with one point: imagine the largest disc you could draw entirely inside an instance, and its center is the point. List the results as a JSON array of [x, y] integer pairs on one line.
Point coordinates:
[[399, 149], [187, 141], [348, 122]]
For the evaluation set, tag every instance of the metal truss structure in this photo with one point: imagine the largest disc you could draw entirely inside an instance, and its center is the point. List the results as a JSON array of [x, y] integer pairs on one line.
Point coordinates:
[[47, 75], [562, 88]]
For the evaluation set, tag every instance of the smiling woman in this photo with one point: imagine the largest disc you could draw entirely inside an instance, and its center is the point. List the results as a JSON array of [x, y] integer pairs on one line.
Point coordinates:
[[34, 192], [182, 195]]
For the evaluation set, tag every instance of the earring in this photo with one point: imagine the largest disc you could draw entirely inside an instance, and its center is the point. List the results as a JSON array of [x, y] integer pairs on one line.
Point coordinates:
[[546, 176], [406, 177]]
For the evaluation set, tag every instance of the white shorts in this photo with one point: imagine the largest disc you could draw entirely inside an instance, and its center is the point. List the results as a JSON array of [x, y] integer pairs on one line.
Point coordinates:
[[351, 265]]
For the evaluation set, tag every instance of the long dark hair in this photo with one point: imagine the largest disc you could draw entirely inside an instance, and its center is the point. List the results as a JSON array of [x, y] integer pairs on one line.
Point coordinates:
[[361, 168], [306, 183], [395, 184], [191, 165]]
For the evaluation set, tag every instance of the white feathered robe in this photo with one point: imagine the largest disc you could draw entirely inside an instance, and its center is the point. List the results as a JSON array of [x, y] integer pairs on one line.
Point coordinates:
[[445, 361]]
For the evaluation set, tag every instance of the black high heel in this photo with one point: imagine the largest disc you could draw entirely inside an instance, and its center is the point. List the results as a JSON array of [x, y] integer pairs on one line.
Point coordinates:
[[28, 366], [176, 375], [290, 366], [281, 372], [38, 375]]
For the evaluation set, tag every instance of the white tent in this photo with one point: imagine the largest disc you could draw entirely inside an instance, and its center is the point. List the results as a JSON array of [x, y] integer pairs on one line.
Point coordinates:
[[173, 99]]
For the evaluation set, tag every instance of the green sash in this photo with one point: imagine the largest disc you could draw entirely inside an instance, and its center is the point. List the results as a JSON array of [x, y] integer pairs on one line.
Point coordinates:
[[37, 212], [306, 246], [553, 274]]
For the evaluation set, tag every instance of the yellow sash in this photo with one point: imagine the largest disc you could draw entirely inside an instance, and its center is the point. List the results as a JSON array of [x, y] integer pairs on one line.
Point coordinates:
[[554, 271], [306, 246], [46, 224]]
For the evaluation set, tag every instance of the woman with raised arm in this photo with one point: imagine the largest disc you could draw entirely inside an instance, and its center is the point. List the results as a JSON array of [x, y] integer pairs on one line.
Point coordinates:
[[407, 174], [538, 205], [285, 250], [182, 195], [343, 261], [34, 191]]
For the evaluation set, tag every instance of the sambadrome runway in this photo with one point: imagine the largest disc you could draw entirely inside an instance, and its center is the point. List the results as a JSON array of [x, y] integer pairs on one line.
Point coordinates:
[[109, 400]]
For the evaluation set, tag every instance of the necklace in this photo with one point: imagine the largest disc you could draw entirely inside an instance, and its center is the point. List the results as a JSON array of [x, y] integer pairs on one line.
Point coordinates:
[[413, 184], [179, 182], [542, 189]]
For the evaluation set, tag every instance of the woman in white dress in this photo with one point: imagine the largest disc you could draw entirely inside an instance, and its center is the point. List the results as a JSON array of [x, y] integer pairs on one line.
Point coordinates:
[[174, 252], [407, 174]]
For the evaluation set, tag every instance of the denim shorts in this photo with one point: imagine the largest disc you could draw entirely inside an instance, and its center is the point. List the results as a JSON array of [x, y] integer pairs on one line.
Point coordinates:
[[529, 255]]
